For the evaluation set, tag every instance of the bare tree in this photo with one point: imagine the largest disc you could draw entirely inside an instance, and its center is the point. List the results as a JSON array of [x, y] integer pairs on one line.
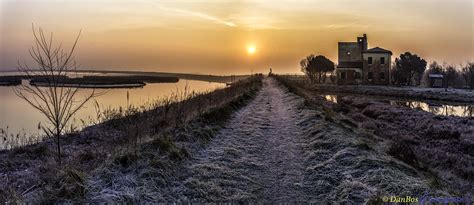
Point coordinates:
[[56, 102], [450, 74], [468, 74]]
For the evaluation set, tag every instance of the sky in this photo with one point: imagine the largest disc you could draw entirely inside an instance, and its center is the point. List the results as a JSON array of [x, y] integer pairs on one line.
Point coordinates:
[[215, 36]]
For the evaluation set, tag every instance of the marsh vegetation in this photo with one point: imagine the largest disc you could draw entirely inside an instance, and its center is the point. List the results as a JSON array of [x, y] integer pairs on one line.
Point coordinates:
[[437, 145], [120, 136]]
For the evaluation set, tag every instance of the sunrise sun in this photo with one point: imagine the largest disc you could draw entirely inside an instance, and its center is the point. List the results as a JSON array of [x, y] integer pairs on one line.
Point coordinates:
[[251, 50]]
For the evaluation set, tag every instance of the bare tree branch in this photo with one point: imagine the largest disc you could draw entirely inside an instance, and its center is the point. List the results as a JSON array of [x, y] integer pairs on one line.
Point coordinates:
[[58, 104]]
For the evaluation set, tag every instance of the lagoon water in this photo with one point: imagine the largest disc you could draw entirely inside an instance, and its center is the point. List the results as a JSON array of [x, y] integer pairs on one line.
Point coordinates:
[[437, 108], [20, 117]]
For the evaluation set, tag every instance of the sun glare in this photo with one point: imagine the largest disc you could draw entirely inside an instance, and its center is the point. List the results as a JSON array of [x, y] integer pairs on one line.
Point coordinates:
[[251, 50]]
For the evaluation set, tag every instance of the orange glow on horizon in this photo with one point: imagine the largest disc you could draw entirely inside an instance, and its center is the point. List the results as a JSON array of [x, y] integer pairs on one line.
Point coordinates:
[[218, 37]]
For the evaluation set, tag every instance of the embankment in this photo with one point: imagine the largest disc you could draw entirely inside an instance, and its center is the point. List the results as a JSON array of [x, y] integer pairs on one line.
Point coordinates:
[[123, 137], [276, 149], [416, 93], [440, 146]]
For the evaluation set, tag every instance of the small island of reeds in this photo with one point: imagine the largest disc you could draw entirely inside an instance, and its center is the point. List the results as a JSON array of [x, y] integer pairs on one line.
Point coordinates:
[[90, 81]]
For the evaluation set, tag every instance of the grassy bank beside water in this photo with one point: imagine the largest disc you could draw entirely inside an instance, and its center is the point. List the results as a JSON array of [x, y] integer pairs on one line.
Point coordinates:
[[414, 93], [440, 146], [122, 141]]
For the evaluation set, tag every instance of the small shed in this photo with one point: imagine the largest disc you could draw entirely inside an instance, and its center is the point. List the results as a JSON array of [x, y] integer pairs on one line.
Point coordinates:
[[436, 80]]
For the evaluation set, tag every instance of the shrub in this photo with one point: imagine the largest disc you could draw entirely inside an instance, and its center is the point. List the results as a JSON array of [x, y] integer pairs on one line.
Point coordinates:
[[68, 183], [178, 154], [164, 144], [403, 152], [349, 122], [363, 144], [445, 134], [86, 156], [125, 160], [435, 182], [341, 108], [375, 200]]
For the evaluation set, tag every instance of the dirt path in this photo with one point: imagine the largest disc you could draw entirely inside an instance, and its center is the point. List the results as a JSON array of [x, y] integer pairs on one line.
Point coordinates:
[[277, 150], [257, 156]]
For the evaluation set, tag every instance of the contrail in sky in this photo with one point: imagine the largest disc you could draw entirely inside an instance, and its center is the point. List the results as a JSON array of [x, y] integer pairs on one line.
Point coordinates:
[[196, 14]]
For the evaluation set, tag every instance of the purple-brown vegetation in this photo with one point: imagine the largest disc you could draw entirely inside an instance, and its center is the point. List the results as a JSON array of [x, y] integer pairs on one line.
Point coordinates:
[[30, 173], [439, 145], [442, 144]]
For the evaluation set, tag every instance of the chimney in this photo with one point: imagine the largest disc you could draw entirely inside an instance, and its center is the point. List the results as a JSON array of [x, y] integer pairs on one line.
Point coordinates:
[[362, 41]]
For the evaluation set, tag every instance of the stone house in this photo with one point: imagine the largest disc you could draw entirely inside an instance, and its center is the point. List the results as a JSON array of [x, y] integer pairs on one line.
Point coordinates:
[[359, 65]]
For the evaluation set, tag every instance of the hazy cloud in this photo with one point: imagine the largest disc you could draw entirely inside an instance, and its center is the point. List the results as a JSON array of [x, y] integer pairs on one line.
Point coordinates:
[[200, 15]]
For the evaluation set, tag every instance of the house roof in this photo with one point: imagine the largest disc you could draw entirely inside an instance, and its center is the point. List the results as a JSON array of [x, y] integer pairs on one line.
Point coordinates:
[[349, 65], [377, 50]]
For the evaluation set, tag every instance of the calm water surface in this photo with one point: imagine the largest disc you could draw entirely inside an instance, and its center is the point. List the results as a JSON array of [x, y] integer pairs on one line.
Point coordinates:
[[20, 117], [438, 108]]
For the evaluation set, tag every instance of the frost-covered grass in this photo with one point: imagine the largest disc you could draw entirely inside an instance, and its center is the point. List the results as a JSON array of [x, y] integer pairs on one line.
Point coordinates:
[[30, 173], [158, 165], [439, 146], [406, 92], [279, 148]]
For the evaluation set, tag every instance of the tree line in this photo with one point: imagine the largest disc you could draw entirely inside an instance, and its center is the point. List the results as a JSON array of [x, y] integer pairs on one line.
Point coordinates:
[[407, 70], [410, 69]]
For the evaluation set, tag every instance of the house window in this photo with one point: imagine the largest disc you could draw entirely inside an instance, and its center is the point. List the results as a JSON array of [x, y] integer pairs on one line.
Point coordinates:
[[382, 60], [357, 75], [343, 75], [370, 60], [369, 76], [382, 76]]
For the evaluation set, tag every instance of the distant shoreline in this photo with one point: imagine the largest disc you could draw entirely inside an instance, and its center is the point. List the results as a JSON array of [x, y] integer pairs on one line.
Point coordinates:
[[187, 76], [70, 85], [128, 79]]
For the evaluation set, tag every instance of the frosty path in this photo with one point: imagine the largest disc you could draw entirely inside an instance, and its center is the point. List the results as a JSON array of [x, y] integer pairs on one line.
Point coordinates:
[[277, 150], [257, 156]]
